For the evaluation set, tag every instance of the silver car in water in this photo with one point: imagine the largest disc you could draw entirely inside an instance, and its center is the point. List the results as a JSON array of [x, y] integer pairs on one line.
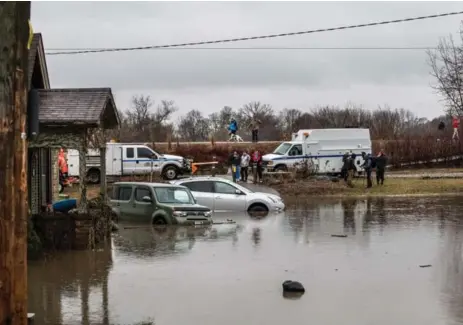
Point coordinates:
[[223, 195]]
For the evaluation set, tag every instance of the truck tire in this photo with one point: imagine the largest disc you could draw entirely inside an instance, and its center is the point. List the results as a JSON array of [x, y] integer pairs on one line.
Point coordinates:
[[170, 172], [93, 176]]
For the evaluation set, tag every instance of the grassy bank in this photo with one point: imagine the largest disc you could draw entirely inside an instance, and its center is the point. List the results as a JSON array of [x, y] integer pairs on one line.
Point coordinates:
[[301, 190]]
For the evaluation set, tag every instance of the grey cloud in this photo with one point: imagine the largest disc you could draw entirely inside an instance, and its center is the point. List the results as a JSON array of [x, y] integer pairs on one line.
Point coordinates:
[[117, 24]]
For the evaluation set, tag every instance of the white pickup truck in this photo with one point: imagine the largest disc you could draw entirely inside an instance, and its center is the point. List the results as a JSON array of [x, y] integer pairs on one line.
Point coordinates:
[[125, 159]]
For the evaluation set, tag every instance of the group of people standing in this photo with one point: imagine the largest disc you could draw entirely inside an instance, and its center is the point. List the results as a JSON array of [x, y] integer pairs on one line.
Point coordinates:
[[242, 163], [370, 163]]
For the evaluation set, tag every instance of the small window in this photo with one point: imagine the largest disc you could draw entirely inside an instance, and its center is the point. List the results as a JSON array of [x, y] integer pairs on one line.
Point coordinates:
[[224, 188], [141, 192], [130, 153], [145, 153], [296, 150], [182, 196], [122, 193], [206, 187]]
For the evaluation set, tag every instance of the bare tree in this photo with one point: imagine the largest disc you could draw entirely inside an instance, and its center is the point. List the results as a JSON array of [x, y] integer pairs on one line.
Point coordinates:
[[446, 64], [194, 127]]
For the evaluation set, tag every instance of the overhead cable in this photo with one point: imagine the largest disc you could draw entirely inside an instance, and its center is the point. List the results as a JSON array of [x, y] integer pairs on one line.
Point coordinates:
[[242, 39]]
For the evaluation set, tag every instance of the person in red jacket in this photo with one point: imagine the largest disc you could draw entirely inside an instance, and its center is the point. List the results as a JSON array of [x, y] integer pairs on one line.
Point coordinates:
[[455, 125], [256, 160]]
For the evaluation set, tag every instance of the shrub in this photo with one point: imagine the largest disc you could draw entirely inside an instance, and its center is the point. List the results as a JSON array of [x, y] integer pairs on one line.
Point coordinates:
[[398, 151]]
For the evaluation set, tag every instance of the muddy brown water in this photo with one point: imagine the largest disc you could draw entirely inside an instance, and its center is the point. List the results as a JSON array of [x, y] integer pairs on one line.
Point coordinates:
[[232, 274]]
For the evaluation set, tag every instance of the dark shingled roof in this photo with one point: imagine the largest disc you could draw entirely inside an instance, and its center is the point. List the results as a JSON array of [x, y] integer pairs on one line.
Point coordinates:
[[37, 53], [77, 106]]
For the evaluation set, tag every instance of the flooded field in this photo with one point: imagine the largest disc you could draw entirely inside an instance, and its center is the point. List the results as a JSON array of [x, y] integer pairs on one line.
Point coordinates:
[[232, 274]]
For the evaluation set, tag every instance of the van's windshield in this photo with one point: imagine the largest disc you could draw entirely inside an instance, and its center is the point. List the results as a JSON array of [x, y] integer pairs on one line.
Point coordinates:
[[282, 148], [171, 195]]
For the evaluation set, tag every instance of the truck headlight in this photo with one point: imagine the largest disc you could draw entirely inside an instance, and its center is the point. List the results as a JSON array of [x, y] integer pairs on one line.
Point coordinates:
[[270, 163], [180, 214], [208, 214]]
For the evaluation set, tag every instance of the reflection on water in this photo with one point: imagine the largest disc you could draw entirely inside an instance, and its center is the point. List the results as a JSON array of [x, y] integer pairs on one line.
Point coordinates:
[[232, 273]]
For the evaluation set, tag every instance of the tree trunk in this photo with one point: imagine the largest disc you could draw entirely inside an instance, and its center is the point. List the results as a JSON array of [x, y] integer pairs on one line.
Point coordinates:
[[14, 34]]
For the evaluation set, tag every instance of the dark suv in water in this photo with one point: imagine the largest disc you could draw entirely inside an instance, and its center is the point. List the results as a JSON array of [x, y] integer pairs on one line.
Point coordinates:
[[157, 203]]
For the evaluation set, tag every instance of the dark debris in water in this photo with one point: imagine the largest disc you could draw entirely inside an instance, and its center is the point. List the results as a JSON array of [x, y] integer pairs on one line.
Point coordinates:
[[340, 236], [426, 265]]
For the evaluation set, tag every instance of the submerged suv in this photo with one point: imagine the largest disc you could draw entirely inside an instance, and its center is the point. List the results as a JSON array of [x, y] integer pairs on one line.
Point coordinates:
[[157, 203]]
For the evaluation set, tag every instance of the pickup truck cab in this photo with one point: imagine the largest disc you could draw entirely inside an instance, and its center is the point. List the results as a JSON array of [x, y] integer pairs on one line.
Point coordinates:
[[158, 204]]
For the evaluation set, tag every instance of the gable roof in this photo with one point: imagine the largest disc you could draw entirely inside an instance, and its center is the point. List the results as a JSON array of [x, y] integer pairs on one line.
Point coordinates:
[[37, 55], [78, 106]]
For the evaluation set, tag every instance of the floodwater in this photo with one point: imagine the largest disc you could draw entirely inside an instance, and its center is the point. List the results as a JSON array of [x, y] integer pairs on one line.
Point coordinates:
[[232, 274]]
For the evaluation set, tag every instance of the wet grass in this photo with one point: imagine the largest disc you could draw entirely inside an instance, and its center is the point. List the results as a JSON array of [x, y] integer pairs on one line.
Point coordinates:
[[293, 192]]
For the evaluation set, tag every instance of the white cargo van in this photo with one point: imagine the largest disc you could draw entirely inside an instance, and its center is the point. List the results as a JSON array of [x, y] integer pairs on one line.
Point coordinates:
[[124, 159], [322, 149]]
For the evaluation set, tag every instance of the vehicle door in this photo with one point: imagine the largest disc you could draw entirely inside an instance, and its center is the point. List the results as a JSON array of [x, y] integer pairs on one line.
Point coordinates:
[[129, 161], [142, 210], [121, 200], [147, 161], [114, 161], [203, 192], [295, 154], [228, 198]]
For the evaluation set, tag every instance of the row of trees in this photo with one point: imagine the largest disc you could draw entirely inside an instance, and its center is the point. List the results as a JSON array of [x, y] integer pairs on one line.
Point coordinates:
[[146, 122]]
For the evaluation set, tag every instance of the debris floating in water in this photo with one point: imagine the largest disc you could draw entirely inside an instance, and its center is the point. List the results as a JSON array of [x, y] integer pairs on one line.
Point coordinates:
[[340, 236], [293, 286], [426, 265]]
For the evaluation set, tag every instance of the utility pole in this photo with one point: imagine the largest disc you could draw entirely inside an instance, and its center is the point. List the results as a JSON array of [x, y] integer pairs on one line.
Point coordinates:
[[14, 35]]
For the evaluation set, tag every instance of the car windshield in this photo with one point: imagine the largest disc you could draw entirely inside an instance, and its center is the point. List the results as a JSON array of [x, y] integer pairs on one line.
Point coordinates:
[[173, 195], [282, 148]]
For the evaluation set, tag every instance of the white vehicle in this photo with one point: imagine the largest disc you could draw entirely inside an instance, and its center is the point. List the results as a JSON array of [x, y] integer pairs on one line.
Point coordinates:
[[125, 159], [321, 149], [223, 195]]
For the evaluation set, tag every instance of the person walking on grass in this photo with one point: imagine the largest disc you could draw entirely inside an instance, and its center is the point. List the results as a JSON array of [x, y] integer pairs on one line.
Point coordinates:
[[254, 126], [245, 159], [381, 162]]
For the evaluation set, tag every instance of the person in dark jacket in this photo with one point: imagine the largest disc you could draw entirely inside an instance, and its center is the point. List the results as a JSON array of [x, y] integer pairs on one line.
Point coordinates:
[[345, 166], [381, 161], [234, 161], [367, 165]]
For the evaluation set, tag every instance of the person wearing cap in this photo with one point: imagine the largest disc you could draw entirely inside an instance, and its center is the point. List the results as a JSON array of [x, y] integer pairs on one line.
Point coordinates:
[[381, 161]]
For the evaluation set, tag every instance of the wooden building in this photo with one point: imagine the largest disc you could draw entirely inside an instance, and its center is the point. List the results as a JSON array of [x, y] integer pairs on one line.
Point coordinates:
[[72, 118]]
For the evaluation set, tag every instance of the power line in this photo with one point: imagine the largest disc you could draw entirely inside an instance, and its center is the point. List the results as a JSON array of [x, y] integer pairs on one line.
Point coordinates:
[[255, 48], [232, 40]]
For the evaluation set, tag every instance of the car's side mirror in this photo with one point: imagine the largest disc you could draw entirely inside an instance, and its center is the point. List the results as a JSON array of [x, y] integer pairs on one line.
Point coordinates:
[[238, 192], [146, 199]]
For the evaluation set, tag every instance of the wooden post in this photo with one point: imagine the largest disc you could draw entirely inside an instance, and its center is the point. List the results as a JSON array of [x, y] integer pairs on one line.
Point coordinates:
[[103, 183], [14, 35], [83, 204]]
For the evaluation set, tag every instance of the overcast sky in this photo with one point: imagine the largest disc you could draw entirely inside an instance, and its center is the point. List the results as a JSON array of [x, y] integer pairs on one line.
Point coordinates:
[[210, 79]]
